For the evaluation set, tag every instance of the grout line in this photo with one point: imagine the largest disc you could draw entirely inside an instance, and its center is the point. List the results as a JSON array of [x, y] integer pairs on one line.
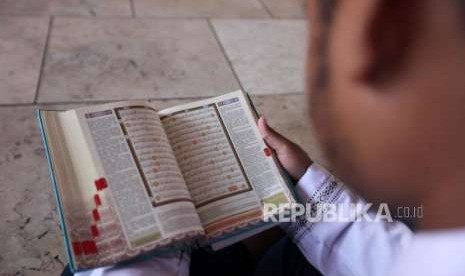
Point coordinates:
[[265, 7], [133, 9], [111, 100], [82, 102], [154, 18], [16, 105], [217, 38], [44, 57], [173, 18]]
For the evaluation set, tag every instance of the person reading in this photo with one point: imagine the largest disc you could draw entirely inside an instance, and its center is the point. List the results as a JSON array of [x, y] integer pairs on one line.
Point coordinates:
[[387, 99]]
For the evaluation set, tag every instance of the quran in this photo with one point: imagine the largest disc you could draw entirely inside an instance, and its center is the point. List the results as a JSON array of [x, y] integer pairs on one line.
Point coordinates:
[[133, 181]]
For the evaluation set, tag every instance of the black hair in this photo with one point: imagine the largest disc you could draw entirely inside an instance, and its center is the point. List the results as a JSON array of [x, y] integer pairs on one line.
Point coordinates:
[[327, 8], [462, 9], [325, 14]]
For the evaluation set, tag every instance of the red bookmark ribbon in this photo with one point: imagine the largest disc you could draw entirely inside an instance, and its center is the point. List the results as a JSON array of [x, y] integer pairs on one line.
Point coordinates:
[[89, 247], [95, 231], [97, 200], [95, 215], [101, 184]]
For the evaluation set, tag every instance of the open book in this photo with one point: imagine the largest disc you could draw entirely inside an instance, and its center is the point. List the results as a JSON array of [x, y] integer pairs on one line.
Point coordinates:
[[131, 181]]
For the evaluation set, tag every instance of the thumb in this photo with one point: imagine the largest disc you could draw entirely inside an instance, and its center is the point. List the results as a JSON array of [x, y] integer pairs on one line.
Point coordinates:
[[271, 137]]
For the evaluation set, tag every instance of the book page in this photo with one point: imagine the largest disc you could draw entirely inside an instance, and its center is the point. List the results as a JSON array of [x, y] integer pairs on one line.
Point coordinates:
[[222, 158], [144, 203], [73, 206]]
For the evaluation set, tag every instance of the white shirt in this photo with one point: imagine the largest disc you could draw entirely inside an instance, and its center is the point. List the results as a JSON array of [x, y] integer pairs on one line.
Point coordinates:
[[344, 248], [370, 248]]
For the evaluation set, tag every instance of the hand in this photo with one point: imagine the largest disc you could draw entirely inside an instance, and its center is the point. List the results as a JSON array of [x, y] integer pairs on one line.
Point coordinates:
[[294, 160]]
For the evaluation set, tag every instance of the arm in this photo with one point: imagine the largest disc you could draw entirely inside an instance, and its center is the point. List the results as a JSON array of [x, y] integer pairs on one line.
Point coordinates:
[[344, 248], [335, 248]]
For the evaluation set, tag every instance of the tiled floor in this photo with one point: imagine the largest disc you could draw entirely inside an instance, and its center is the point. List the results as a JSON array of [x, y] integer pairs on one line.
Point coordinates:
[[267, 55], [200, 8], [109, 59], [71, 52], [22, 43]]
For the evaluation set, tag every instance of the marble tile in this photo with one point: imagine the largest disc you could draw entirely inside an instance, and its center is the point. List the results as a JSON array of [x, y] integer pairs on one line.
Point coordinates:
[[121, 59], [286, 8], [66, 7], [30, 236], [22, 42], [267, 55], [200, 8]]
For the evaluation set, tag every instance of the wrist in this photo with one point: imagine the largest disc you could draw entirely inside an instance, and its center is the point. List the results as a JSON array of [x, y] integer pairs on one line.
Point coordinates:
[[301, 172]]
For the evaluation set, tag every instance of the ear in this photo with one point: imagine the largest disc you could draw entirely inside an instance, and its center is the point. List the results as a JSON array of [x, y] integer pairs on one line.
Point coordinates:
[[389, 38]]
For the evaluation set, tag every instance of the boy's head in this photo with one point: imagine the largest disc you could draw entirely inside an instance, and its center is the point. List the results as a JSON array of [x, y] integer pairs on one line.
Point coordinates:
[[386, 81]]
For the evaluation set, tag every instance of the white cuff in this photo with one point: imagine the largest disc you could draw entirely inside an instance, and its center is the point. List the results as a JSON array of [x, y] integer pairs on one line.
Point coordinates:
[[317, 185]]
